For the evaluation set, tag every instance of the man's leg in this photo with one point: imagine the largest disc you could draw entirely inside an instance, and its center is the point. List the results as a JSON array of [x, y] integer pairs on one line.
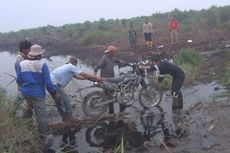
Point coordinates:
[[111, 108], [40, 112], [28, 111], [177, 99], [176, 36], [171, 37], [66, 104], [122, 107], [59, 104]]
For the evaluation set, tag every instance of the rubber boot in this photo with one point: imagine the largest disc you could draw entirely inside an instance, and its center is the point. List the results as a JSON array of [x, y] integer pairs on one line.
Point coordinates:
[[150, 44], [147, 44], [174, 103]]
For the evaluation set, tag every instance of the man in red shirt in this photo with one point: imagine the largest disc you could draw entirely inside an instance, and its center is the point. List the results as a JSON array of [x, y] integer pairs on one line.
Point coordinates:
[[173, 27]]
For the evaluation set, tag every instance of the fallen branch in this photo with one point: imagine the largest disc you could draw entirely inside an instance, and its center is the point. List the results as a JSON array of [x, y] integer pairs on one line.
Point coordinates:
[[84, 122]]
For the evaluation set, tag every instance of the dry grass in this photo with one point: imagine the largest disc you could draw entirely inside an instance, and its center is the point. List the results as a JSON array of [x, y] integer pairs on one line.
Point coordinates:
[[16, 136]]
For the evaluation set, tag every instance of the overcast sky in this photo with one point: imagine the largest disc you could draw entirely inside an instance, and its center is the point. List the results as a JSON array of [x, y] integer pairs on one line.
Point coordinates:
[[25, 14]]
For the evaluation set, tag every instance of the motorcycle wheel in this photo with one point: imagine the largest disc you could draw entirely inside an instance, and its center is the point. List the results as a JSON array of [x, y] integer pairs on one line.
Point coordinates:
[[95, 135], [150, 96], [91, 100]]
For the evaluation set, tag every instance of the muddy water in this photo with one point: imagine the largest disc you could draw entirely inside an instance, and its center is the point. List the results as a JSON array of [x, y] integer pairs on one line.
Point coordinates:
[[141, 131]]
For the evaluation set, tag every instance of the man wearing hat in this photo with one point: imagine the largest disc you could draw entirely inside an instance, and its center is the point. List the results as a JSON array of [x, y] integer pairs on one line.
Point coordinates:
[[61, 77], [32, 79], [106, 65]]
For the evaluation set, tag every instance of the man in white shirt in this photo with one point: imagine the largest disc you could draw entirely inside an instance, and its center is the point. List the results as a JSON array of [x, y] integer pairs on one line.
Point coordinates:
[[60, 77]]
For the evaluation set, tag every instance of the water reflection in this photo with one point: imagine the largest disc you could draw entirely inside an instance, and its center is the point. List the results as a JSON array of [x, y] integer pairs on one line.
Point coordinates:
[[7, 67], [68, 140], [109, 134]]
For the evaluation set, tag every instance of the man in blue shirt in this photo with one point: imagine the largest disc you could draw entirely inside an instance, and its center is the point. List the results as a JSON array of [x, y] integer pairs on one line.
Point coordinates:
[[61, 77], [32, 79]]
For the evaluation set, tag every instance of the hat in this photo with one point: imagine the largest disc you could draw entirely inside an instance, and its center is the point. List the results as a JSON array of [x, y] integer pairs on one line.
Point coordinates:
[[36, 50], [110, 49]]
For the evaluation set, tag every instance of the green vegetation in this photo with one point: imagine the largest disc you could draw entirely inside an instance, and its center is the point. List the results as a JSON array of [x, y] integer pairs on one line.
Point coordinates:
[[200, 23], [225, 76], [15, 135], [98, 37], [190, 61]]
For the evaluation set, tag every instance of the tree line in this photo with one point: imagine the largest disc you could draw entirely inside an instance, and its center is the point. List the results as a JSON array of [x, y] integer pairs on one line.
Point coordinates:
[[193, 22]]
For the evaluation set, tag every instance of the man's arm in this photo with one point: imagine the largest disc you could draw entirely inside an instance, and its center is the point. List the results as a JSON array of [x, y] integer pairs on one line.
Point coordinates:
[[89, 76], [79, 77], [99, 65], [120, 63]]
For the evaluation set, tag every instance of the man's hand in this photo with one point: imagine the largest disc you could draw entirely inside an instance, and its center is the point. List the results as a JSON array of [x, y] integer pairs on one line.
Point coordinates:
[[55, 95]]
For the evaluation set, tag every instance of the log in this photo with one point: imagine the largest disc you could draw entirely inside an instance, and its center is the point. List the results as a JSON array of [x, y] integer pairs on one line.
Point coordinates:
[[87, 121]]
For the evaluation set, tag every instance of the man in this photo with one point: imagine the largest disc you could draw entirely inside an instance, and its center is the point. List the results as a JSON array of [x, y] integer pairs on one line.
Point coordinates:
[[61, 77], [24, 48], [173, 27], [106, 65], [147, 29], [132, 37], [32, 79], [161, 68]]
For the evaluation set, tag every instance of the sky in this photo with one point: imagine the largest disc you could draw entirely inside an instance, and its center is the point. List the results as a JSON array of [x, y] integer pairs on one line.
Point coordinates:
[[25, 14]]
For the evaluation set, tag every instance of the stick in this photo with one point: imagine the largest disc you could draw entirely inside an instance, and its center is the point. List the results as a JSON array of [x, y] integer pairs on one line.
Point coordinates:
[[166, 147], [10, 75]]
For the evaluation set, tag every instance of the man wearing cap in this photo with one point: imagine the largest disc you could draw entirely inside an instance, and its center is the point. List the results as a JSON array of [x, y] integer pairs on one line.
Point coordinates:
[[61, 77], [106, 65], [32, 79]]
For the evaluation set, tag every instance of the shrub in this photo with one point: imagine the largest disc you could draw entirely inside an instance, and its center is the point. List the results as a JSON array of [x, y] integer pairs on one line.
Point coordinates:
[[190, 61], [98, 37]]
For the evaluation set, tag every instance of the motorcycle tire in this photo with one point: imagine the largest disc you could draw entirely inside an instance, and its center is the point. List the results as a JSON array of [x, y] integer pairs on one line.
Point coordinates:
[[150, 96], [95, 135], [89, 104]]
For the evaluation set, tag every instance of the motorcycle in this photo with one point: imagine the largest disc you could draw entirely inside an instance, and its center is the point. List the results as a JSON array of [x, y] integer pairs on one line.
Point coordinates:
[[123, 90]]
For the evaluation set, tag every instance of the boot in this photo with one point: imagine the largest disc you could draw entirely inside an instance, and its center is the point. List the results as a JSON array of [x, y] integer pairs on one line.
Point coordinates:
[[174, 103], [150, 44], [147, 44]]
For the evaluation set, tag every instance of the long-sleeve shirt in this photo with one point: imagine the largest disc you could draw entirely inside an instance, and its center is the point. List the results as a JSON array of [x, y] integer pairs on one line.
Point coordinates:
[[106, 64], [166, 67], [33, 77]]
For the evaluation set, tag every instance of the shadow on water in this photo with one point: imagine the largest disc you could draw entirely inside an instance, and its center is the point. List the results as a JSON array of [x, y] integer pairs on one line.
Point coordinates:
[[143, 130], [135, 134]]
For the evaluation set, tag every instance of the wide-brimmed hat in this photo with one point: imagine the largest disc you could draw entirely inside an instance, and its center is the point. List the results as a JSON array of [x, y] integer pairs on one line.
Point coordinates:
[[36, 50], [110, 49]]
